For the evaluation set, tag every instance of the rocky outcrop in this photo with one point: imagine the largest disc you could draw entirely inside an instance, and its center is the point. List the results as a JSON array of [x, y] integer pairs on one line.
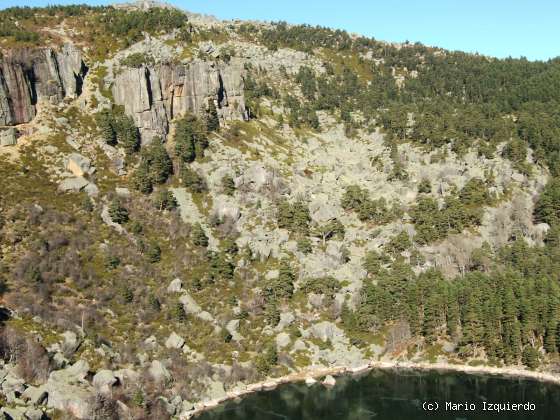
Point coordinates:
[[8, 137], [30, 75], [154, 95]]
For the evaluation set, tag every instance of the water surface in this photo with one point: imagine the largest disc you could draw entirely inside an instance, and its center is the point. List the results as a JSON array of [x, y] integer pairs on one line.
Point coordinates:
[[398, 395]]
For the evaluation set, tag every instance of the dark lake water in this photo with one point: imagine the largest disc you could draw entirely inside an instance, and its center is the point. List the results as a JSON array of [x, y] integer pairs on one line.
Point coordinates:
[[398, 395]]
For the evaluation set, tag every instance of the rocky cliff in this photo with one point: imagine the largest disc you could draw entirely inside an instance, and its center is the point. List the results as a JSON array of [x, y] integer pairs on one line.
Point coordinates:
[[30, 75], [154, 95]]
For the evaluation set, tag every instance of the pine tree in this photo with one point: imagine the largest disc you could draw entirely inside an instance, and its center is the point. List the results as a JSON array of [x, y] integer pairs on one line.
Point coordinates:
[[192, 180], [531, 357], [178, 312], [160, 165], [142, 180], [212, 119], [105, 122], [154, 253], [550, 337], [165, 200], [117, 212], [127, 134], [198, 236]]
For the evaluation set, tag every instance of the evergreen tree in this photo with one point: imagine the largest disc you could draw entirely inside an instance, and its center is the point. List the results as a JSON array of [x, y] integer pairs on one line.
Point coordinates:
[[106, 123], [142, 180], [198, 236], [531, 357], [178, 312], [212, 119], [154, 253], [165, 200], [117, 212], [159, 162], [127, 134], [192, 180]]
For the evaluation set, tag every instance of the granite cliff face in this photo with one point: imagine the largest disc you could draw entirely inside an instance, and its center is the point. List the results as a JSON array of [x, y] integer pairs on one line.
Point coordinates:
[[30, 75], [154, 95]]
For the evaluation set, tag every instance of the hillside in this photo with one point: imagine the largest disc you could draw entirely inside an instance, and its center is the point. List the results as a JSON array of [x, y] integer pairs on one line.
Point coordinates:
[[190, 205]]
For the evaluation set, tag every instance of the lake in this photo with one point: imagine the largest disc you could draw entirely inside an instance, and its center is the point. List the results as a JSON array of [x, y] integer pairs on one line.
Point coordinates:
[[400, 395]]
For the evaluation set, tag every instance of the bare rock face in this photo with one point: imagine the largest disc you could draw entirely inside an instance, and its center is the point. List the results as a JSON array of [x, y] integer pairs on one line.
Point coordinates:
[[29, 75], [153, 96]]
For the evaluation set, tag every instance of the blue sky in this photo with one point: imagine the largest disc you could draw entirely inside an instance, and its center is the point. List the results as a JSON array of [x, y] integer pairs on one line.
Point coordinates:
[[501, 28]]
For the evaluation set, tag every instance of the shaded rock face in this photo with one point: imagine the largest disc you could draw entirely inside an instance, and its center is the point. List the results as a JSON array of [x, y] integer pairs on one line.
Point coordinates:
[[153, 96], [29, 75]]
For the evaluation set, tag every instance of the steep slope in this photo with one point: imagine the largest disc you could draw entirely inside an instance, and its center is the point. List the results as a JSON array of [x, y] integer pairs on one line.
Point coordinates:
[[193, 205]]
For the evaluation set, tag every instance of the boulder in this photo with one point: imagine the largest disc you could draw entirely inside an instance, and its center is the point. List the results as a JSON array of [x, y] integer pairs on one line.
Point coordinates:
[[329, 381], [35, 395], [70, 343], [8, 137], [104, 380], [122, 191], [232, 327], [159, 372], [79, 165], [189, 304], [309, 381], [175, 286], [282, 340], [286, 319], [75, 373], [126, 376], [174, 341], [12, 383], [75, 184], [91, 189], [69, 391], [13, 413], [34, 414]]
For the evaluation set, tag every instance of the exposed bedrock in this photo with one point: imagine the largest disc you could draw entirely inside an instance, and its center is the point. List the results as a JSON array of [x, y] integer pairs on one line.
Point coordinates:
[[154, 95], [29, 75]]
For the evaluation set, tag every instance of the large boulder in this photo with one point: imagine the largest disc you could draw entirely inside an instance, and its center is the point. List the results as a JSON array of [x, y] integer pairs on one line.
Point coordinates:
[[35, 395], [75, 184], [159, 372], [176, 286], [104, 380], [69, 391], [79, 165], [174, 341]]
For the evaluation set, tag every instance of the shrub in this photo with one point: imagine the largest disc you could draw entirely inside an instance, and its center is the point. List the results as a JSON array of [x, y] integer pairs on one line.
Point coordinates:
[[304, 245], [117, 212], [228, 185]]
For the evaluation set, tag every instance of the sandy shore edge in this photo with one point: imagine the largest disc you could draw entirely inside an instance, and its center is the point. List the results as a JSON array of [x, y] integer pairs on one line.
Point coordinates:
[[318, 372]]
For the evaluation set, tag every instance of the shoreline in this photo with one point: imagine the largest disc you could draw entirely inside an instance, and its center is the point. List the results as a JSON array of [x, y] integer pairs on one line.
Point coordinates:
[[315, 373]]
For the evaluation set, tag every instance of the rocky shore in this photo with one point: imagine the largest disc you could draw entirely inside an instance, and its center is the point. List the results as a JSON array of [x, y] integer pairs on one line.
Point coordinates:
[[311, 375]]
